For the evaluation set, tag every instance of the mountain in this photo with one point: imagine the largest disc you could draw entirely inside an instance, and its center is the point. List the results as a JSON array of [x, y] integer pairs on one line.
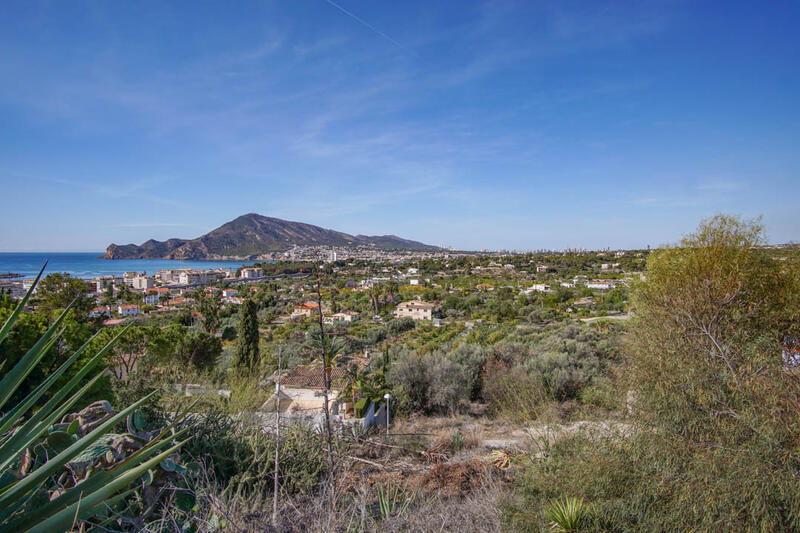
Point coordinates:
[[251, 235]]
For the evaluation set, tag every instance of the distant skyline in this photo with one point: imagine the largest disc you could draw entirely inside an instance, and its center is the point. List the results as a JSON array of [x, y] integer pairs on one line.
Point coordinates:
[[516, 125]]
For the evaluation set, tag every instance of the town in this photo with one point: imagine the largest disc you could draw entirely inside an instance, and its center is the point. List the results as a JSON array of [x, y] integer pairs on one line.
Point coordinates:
[[578, 292]]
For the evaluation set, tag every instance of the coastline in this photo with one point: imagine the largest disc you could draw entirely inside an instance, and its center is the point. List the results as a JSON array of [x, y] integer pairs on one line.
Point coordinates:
[[87, 265]]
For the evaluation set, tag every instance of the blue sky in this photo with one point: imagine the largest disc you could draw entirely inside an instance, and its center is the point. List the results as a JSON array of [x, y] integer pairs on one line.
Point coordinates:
[[495, 125]]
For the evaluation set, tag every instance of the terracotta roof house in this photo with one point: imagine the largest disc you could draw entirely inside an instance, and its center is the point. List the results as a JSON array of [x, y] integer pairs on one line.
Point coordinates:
[[302, 389]]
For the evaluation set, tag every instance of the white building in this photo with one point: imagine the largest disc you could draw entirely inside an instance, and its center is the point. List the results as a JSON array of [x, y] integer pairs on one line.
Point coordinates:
[[188, 276], [129, 310], [168, 275], [101, 283], [251, 273], [346, 316], [602, 285], [195, 277], [142, 283], [537, 287], [128, 277], [415, 309], [100, 311]]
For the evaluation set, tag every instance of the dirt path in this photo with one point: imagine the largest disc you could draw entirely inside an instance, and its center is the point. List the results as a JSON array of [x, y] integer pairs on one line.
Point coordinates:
[[540, 436]]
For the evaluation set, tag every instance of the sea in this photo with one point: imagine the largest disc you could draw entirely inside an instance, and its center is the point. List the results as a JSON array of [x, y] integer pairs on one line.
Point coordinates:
[[87, 265]]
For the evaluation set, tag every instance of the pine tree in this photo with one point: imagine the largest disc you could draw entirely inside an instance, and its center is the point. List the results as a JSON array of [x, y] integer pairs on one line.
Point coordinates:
[[247, 357]]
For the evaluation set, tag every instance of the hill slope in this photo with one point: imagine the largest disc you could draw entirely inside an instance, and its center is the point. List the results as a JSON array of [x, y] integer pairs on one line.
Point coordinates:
[[254, 234]]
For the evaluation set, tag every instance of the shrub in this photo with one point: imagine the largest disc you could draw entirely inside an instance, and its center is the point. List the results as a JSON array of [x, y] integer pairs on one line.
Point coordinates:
[[228, 333], [400, 325], [374, 335], [512, 393], [429, 383], [564, 359], [602, 393], [241, 456], [472, 358]]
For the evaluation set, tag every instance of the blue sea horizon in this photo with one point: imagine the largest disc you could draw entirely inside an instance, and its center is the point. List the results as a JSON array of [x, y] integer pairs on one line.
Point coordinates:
[[87, 265]]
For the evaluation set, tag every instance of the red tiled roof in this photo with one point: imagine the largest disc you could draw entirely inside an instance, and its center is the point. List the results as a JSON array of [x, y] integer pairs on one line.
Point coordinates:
[[310, 376]]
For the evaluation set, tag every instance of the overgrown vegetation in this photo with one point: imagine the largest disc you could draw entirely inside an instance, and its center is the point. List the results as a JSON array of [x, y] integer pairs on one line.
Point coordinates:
[[713, 399], [59, 468], [671, 406]]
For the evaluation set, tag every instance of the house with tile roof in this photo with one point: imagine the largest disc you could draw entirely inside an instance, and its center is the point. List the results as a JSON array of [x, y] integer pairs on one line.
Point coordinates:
[[302, 389]]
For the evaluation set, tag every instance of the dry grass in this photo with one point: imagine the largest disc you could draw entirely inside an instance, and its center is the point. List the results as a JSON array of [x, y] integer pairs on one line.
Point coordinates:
[[474, 430], [453, 497]]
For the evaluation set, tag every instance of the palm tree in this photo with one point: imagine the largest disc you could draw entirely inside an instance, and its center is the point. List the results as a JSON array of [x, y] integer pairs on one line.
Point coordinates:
[[353, 380], [392, 289], [374, 295], [326, 344]]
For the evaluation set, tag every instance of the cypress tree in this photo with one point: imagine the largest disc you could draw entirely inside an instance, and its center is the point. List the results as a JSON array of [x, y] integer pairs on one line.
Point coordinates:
[[247, 357]]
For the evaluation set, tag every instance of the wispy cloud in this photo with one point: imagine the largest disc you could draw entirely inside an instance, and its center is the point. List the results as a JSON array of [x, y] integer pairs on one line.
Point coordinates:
[[368, 25], [318, 202], [136, 189]]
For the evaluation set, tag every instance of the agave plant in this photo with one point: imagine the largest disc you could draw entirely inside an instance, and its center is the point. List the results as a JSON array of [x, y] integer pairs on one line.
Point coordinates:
[[26, 504], [567, 514]]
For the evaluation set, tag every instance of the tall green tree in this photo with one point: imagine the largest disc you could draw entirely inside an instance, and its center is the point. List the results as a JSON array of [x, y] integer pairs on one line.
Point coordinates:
[[714, 398], [209, 306], [247, 354], [56, 291], [183, 349]]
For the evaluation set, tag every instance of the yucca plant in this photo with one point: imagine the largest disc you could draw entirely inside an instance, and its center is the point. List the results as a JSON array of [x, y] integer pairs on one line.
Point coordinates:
[[25, 477], [393, 500], [567, 515]]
